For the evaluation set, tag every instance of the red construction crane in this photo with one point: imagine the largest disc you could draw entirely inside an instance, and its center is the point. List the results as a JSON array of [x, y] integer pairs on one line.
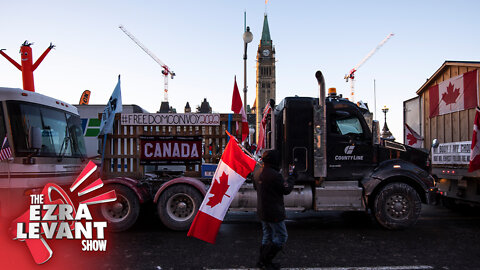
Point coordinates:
[[166, 70], [351, 74]]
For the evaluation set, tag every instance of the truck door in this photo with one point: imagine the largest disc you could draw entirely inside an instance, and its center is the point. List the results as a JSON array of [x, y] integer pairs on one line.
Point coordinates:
[[349, 148]]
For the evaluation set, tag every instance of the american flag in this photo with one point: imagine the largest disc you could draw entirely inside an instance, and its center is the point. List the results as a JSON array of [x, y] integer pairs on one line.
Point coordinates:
[[5, 151]]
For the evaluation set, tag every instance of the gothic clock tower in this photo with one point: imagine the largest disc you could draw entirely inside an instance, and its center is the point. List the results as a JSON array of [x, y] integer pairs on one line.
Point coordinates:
[[265, 72]]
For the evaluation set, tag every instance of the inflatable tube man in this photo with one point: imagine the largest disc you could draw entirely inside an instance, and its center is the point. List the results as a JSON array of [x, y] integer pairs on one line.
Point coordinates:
[[27, 67]]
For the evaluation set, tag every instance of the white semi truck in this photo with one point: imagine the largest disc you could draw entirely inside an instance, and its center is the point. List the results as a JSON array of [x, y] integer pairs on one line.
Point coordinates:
[[45, 137]]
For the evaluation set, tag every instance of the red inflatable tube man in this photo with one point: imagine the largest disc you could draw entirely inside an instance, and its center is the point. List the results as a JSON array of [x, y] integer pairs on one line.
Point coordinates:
[[27, 67]]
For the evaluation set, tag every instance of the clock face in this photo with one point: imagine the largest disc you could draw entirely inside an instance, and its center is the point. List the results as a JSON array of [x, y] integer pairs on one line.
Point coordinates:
[[266, 52]]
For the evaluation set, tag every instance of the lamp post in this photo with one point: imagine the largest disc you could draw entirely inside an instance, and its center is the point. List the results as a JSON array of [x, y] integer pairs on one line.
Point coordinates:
[[247, 38], [386, 134], [385, 110]]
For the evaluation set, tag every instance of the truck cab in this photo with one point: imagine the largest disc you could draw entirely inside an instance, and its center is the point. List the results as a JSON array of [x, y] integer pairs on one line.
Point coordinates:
[[341, 160], [45, 137]]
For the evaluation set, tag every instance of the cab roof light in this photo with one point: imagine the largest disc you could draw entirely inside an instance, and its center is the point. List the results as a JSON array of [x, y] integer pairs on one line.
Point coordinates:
[[332, 91]]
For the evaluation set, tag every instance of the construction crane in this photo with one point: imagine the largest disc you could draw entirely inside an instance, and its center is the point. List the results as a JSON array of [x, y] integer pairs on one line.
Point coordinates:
[[351, 75], [166, 70]]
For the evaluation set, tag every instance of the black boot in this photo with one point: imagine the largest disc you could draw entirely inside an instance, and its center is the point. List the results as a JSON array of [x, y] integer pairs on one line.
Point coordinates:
[[272, 251], [262, 258]]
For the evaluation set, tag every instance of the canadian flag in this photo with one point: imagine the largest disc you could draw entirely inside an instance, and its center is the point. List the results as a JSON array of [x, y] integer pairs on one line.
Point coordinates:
[[475, 150], [237, 107], [412, 138], [456, 94], [233, 168]]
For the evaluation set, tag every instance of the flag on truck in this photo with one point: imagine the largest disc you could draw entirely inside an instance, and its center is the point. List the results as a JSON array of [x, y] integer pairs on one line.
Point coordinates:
[[261, 132], [5, 151], [475, 148], [233, 168], [413, 139], [455, 94], [237, 107], [114, 106]]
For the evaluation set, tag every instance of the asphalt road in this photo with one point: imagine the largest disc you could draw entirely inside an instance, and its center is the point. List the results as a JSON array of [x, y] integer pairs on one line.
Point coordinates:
[[441, 239]]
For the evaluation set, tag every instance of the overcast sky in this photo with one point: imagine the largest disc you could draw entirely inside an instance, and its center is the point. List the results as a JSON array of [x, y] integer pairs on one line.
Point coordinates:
[[202, 42]]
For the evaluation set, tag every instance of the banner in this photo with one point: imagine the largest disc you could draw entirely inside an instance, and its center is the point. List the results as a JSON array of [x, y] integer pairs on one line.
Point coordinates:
[[452, 153], [170, 150], [170, 119], [85, 98]]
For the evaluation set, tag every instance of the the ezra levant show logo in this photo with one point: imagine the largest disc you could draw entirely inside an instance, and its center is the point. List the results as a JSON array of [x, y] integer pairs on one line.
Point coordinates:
[[53, 216]]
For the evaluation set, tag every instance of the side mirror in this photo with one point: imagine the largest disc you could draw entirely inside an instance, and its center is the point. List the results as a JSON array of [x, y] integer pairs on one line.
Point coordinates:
[[35, 138], [435, 143], [375, 132]]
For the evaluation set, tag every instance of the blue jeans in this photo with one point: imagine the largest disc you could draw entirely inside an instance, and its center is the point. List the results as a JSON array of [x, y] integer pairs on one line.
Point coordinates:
[[274, 232]]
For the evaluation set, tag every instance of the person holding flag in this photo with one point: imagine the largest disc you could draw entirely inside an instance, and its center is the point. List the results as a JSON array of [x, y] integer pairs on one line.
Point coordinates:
[[271, 187]]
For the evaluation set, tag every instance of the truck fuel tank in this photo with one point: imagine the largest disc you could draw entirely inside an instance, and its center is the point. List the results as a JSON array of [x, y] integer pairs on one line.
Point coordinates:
[[299, 199]]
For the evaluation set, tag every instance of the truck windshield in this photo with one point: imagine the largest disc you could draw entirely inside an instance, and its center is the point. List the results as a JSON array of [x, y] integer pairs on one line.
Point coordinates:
[[61, 131], [349, 125]]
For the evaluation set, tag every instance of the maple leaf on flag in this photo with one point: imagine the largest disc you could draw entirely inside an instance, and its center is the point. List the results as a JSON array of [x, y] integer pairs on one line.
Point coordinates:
[[411, 139], [218, 190], [451, 95]]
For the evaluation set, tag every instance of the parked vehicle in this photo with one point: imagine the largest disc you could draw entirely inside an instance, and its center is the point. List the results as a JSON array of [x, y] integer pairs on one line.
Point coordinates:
[[45, 137], [451, 126]]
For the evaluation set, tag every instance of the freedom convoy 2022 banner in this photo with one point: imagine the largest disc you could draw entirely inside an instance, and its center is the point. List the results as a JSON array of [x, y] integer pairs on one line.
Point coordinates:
[[170, 119]]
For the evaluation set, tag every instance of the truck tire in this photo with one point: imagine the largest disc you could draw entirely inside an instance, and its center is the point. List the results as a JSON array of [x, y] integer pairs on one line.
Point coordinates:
[[397, 206], [122, 213], [178, 205]]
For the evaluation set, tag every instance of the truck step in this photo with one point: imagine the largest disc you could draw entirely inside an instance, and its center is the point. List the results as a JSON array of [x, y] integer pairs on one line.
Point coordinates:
[[339, 195]]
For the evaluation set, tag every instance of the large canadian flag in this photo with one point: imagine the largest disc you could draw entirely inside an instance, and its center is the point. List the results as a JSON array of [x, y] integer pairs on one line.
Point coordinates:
[[475, 148], [231, 172], [412, 138], [456, 94], [237, 107]]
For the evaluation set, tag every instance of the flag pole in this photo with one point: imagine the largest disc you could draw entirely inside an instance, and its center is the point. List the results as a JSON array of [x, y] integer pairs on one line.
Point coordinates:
[[241, 147]]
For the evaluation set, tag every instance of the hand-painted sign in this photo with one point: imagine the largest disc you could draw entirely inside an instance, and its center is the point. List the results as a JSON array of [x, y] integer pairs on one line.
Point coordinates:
[[170, 119], [452, 153], [170, 150]]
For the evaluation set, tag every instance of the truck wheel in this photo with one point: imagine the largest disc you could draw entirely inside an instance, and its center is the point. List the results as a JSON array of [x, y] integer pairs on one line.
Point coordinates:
[[397, 206], [122, 213], [177, 206]]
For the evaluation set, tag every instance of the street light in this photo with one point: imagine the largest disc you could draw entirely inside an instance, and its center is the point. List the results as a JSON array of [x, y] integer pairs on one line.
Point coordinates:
[[386, 134], [247, 38], [385, 110]]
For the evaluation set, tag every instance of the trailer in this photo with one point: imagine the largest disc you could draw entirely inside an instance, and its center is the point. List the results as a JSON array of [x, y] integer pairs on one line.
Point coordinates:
[[446, 105]]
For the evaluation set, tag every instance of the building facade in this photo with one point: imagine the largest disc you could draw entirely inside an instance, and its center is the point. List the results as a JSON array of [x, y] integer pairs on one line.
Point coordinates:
[[266, 82]]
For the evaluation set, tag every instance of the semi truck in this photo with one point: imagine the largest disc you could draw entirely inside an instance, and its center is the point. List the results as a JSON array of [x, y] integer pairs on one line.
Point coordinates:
[[443, 113], [341, 164], [44, 137]]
